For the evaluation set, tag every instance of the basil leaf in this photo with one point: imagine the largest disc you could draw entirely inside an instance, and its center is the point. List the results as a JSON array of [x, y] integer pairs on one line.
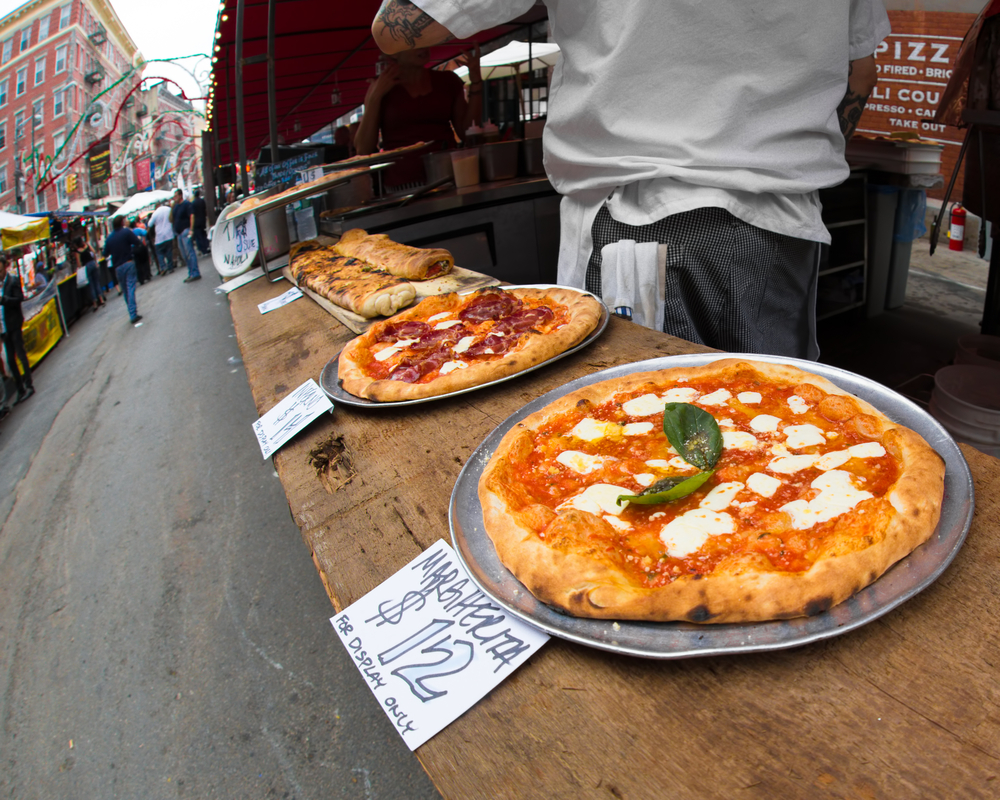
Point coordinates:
[[693, 433], [675, 491]]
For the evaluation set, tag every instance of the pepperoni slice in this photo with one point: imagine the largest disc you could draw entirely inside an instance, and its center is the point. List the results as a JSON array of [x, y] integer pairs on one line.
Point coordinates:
[[524, 320], [491, 345], [411, 370], [489, 305], [408, 329], [433, 339]]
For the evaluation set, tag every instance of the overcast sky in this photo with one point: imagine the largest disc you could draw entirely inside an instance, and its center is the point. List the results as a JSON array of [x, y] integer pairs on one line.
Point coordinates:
[[163, 30]]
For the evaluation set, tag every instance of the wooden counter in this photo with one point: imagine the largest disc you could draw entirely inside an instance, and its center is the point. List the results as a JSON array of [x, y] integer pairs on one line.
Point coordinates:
[[907, 706]]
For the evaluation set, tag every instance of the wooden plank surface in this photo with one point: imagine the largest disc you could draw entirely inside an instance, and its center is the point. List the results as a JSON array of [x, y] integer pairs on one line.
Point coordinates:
[[907, 706]]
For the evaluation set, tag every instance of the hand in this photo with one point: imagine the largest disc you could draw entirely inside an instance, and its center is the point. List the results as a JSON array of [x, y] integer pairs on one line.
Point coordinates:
[[470, 59], [382, 85]]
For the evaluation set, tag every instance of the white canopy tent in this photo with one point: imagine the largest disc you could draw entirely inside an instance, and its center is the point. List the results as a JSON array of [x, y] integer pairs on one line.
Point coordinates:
[[512, 59], [143, 200]]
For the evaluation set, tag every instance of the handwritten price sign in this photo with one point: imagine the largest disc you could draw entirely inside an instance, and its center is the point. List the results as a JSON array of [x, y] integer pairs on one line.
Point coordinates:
[[429, 643], [290, 416], [234, 245]]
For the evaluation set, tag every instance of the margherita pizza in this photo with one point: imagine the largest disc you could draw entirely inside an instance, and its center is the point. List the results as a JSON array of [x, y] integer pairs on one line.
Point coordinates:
[[456, 341], [731, 492]]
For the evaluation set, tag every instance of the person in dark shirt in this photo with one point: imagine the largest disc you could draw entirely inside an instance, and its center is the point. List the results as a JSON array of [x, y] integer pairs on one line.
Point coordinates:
[[182, 230], [12, 295], [199, 219], [118, 246]]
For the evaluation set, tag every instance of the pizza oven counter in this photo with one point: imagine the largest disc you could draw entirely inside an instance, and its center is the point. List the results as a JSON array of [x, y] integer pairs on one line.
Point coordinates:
[[904, 706]]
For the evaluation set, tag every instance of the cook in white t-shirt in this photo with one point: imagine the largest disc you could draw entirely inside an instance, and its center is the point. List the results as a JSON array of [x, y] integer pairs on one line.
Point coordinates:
[[660, 107]]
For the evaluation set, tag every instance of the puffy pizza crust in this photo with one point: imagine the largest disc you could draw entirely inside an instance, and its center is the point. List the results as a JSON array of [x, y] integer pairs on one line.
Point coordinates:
[[585, 585], [585, 313], [403, 261]]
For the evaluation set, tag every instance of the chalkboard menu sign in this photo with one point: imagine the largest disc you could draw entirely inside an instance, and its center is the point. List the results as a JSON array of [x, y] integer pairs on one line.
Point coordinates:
[[285, 172]]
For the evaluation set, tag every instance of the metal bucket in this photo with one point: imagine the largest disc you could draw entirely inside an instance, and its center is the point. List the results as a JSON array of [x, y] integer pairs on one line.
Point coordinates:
[[272, 231], [437, 166], [356, 192], [498, 161]]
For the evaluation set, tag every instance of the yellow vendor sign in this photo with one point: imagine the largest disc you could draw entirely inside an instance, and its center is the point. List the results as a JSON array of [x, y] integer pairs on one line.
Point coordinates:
[[41, 332], [17, 230]]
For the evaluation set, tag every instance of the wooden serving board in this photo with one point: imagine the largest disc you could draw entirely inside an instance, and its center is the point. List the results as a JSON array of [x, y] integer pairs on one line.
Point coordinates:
[[458, 280]]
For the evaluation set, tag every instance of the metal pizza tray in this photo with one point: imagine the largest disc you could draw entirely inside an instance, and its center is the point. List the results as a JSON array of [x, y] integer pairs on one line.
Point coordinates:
[[329, 380], [668, 640]]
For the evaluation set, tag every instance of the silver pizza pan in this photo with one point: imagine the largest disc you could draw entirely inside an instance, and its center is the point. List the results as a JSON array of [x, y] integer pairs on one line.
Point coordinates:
[[670, 640], [329, 380]]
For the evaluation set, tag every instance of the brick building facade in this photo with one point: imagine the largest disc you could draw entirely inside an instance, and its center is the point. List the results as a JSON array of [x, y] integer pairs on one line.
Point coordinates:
[[58, 59]]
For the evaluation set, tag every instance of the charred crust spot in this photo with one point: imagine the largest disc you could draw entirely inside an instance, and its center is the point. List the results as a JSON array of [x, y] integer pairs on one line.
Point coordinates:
[[748, 598], [700, 614], [583, 403], [818, 606]]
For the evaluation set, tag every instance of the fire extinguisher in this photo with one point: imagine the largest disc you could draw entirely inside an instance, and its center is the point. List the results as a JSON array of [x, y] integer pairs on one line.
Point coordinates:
[[956, 238]]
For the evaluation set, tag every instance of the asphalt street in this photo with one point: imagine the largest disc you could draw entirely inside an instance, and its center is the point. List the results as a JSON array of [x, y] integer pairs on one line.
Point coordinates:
[[163, 632]]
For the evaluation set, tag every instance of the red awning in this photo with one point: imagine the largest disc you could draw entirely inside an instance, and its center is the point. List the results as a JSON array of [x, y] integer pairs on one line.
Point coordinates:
[[323, 51]]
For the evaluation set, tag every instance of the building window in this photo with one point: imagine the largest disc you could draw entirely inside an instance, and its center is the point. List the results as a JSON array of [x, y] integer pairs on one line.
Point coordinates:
[[3, 135], [25, 39], [43, 27], [3, 93], [64, 15], [58, 106], [22, 80], [8, 48], [39, 70], [3, 179], [38, 112], [60, 59], [18, 126]]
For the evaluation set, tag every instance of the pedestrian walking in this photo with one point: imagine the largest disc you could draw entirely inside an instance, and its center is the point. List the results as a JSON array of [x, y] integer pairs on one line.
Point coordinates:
[[11, 296], [85, 258], [141, 253], [199, 219], [183, 217], [119, 247], [163, 235]]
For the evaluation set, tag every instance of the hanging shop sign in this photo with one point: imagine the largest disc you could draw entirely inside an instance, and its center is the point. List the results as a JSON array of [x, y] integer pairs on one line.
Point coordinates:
[[99, 160]]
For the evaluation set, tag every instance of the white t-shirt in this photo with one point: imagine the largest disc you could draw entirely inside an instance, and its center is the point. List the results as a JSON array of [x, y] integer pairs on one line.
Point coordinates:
[[669, 105], [161, 225]]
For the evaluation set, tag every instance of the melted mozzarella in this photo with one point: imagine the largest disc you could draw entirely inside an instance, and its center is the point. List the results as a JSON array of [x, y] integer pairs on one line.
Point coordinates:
[[716, 398], [464, 344], [442, 315], [688, 532], [682, 395], [599, 499], [643, 406], [449, 324], [738, 440], [721, 496], [837, 495], [765, 423], [797, 404], [590, 430], [749, 398], [614, 522], [658, 463], [764, 485], [832, 460], [866, 450], [789, 465], [451, 366], [389, 352], [582, 463], [644, 479], [679, 463], [637, 428], [799, 436]]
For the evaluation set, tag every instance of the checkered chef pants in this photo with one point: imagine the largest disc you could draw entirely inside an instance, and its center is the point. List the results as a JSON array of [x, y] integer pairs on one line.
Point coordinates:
[[729, 285]]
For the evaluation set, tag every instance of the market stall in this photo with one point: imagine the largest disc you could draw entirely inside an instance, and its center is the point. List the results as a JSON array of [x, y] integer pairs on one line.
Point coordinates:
[[904, 703]]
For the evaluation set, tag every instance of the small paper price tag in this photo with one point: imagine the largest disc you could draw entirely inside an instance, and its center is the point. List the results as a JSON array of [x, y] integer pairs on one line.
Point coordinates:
[[429, 643], [237, 243], [312, 174], [281, 300], [290, 416]]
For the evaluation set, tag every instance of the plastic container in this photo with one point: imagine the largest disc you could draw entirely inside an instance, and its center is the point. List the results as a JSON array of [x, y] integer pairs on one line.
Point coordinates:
[[465, 164], [966, 400], [978, 349], [498, 161]]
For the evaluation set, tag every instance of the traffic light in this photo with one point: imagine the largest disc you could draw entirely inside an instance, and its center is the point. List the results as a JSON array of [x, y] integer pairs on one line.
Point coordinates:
[[70, 182]]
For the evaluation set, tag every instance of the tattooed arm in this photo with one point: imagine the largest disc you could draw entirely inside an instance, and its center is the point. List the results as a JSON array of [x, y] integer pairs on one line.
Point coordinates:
[[400, 25], [861, 79]]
